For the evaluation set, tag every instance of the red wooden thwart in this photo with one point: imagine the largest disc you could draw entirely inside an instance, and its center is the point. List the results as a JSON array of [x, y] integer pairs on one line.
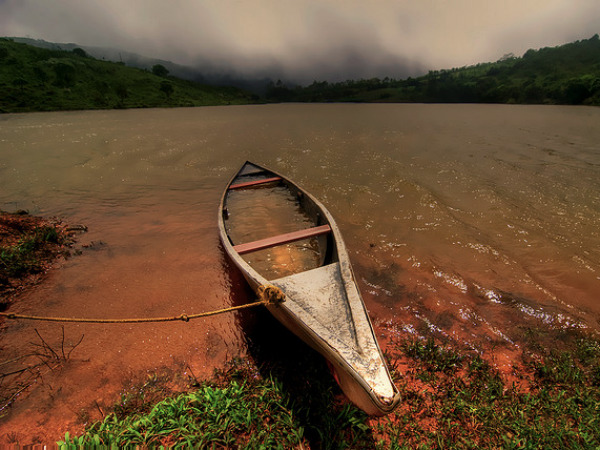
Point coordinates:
[[254, 183], [281, 239]]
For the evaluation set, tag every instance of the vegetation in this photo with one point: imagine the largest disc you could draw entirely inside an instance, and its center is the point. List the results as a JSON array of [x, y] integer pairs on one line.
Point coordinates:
[[26, 245], [450, 400], [239, 408], [36, 79], [21, 258], [569, 74], [39, 79], [463, 403]]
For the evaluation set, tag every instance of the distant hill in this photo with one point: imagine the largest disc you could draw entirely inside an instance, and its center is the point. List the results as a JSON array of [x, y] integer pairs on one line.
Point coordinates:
[[115, 55], [568, 74], [203, 75], [36, 75], [43, 79]]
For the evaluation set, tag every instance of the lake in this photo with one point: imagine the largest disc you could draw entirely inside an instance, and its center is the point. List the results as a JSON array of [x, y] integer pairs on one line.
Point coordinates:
[[474, 223]]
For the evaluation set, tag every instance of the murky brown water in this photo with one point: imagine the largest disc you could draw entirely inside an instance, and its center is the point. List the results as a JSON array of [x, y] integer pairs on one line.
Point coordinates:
[[262, 213], [473, 221]]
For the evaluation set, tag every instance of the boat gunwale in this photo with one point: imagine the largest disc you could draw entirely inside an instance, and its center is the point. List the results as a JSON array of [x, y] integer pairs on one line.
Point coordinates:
[[281, 309]]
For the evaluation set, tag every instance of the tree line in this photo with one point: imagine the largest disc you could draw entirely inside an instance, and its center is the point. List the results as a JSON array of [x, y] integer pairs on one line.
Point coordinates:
[[36, 79], [568, 74]]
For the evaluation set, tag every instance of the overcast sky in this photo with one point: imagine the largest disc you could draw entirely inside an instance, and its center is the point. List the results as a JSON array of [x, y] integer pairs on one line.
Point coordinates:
[[304, 40]]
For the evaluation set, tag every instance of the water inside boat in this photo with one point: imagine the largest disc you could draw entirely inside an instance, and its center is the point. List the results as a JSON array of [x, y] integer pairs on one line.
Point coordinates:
[[266, 211]]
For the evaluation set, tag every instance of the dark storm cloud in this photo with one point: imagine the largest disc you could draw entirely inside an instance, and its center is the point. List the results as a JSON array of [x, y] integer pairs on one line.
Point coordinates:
[[308, 39]]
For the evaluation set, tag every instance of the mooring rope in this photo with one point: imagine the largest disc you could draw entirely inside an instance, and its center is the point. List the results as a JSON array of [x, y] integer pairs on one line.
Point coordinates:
[[269, 295]]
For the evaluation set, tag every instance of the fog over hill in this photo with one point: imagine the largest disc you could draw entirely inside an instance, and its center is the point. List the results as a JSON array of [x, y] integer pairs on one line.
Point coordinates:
[[301, 41], [205, 73]]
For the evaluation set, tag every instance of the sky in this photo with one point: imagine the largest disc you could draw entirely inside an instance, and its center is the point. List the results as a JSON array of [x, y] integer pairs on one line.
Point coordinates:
[[306, 40]]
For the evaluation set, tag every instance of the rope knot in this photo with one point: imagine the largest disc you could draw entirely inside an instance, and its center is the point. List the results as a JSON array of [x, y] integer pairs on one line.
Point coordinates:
[[271, 294], [184, 317]]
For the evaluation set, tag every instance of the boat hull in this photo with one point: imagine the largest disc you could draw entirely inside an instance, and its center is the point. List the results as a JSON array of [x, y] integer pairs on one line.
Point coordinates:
[[322, 306]]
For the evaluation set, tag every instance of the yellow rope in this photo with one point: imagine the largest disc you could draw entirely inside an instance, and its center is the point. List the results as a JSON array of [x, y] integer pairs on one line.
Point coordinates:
[[269, 295]]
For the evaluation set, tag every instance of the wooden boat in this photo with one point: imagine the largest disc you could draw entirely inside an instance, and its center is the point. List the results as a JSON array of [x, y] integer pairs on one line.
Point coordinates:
[[322, 304]]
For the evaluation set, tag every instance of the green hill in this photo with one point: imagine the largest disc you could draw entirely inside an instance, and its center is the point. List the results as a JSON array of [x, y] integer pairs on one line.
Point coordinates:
[[569, 74], [42, 79], [37, 79]]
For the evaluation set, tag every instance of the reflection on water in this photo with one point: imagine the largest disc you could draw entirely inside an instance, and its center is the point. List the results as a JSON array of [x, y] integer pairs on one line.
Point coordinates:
[[259, 213], [478, 222]]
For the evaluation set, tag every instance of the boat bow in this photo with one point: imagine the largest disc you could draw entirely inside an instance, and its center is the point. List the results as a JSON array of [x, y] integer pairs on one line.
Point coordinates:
[[323, 305]]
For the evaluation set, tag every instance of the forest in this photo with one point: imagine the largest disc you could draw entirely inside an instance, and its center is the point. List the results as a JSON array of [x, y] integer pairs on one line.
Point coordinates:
[[41, 79], [568, 74], [37, 79]]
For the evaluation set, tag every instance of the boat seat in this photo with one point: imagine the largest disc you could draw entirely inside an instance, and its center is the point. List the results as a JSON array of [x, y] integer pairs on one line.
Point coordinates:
[[280, 239], [254, 183]]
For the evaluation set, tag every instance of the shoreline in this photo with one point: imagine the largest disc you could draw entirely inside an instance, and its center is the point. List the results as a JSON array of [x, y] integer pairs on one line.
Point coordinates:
[[31, 246], [445, 388]]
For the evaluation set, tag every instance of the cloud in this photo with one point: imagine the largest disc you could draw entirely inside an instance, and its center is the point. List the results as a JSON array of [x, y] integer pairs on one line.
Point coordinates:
[[308, 39]]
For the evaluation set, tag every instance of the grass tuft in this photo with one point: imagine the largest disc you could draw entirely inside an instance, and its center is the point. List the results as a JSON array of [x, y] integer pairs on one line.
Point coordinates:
[[434, 357], [26, 255], [463, 403], [237, 409]]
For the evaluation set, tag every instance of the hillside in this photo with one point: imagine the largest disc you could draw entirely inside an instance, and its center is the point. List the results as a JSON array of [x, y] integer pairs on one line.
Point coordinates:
[[37, 79], [568, 74], [66, 77], [206, 74]]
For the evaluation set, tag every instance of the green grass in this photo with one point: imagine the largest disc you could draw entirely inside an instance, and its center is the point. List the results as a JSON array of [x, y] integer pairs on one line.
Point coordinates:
[[26, 255], [465, 403], [239, 409], [36, 79], [449, 400], [210, 416]]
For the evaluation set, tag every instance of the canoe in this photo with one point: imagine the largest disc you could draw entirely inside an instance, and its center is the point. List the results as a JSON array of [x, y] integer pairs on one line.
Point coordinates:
[[279, 235]]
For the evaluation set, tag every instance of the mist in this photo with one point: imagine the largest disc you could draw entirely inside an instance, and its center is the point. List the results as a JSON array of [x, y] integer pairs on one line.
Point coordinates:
[[306, 40]]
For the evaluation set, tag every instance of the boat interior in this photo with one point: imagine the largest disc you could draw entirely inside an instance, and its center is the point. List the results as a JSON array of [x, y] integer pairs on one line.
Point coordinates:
[[274, 225]]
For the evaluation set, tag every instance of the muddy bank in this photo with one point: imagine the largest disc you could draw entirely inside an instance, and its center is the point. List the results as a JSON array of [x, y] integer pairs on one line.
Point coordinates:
[[44, 402], [29, 247]]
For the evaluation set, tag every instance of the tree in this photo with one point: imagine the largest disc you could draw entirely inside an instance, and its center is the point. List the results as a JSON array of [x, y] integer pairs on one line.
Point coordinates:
[[80, 52], [40, 74], [21, 82], [65, 74], [160, 71], [576, 91], [121, 91], [507, 57], [167, 88]]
